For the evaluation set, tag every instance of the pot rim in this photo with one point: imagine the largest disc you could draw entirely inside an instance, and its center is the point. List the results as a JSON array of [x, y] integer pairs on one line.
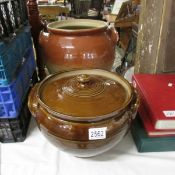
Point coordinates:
[[96, 25], [56, 114]]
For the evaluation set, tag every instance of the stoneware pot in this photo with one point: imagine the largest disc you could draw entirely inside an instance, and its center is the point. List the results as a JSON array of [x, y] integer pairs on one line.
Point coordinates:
[[78, 44], [84, 112]]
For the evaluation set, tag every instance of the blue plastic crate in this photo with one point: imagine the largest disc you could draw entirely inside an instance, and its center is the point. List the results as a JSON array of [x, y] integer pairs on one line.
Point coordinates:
[[15, 129], [11, 96], [12, 53]]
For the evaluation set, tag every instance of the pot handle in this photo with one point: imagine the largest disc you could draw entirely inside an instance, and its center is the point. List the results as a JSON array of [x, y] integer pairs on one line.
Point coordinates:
[[134, 106], [44, 25], [136, 103], [43, 38], [112, 32], [33, 100]]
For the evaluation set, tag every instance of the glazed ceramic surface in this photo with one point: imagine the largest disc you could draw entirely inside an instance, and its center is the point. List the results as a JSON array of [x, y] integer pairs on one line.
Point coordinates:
[[78, 44], [84, 112]]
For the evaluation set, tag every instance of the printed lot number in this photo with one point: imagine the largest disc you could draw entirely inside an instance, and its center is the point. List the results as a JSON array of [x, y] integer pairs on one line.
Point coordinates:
[[97, 133]]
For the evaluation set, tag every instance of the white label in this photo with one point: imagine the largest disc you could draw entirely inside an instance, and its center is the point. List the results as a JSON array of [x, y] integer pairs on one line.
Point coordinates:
[[169, 113], [97, 133]]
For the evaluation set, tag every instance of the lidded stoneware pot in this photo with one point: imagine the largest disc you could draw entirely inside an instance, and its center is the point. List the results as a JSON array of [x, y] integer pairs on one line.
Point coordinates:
[[84, 112], [78, 44]]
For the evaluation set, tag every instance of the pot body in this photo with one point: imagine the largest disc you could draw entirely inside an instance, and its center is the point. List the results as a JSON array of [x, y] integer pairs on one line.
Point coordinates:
[[65, 50], [74, 136]]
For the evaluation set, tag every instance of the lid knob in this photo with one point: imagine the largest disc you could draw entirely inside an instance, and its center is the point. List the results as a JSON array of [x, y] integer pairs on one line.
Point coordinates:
[[83, 78]]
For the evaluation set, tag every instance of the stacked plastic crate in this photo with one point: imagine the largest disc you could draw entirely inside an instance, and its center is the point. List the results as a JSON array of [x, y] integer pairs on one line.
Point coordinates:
[[17, 70]]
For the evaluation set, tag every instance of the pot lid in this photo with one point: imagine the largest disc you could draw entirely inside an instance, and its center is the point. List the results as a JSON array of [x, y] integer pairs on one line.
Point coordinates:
[[85, 93]]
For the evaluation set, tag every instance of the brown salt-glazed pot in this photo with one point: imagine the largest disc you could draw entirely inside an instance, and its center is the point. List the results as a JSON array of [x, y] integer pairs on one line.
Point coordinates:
[[78, 44], [84, 112]]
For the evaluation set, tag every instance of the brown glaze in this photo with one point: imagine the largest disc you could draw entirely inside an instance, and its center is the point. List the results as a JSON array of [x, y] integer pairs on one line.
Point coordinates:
[[78, 131], [69, 132], [68, 49], [98, 96]]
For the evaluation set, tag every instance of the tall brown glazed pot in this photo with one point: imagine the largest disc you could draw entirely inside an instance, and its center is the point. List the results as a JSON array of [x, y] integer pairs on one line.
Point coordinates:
[[78, 44]]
